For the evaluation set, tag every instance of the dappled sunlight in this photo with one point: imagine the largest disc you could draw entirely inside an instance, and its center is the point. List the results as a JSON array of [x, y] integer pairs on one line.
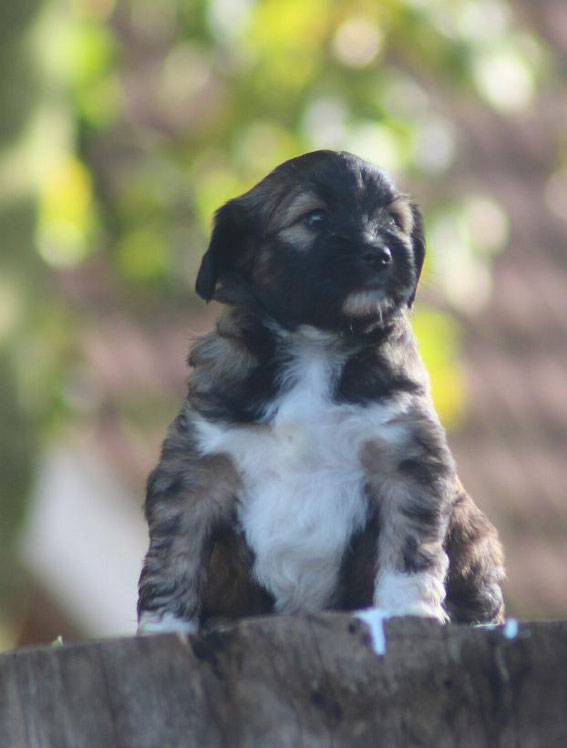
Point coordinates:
[[388, 144], [65, 214], [127, 123], [504, 79], [438, 337], [435, 143], [488, 223], [325, 123], [357, 41], [464, 237]]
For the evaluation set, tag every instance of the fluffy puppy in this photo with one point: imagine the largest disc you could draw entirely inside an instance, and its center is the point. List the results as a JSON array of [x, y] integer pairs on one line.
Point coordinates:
[[307, 469]]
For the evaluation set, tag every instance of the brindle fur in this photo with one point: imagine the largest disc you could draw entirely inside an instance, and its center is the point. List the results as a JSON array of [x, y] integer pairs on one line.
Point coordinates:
[[199, 567]]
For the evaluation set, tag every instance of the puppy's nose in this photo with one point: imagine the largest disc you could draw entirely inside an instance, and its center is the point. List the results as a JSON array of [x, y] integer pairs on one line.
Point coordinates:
[[377, 257]]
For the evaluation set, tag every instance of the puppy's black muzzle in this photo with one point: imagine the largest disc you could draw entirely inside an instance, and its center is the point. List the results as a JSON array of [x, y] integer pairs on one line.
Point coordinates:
[[376, 257]]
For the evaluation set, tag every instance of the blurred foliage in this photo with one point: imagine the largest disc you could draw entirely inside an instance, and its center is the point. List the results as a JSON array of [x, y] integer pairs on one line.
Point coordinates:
[[126, 123]]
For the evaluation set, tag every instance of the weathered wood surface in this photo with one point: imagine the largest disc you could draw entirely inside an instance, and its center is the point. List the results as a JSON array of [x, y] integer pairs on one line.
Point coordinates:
[[281, 681]]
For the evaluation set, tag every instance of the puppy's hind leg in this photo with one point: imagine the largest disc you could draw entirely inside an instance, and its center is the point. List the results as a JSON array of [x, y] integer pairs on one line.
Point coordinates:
[[188, 497], [476, 565]]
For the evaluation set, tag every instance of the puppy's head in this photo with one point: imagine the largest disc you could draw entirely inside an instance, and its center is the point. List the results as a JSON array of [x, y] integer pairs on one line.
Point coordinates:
[[324, 240]]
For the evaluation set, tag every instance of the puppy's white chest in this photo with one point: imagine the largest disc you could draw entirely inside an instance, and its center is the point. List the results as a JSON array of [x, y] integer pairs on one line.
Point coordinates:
[[303, 486]]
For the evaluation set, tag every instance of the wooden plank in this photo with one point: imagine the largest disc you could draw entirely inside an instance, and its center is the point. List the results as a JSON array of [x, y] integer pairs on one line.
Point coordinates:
[[54, 697], [284, 681]]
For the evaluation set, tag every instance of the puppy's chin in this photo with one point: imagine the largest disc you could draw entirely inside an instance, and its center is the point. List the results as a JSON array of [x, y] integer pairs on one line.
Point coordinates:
[[368, 303]]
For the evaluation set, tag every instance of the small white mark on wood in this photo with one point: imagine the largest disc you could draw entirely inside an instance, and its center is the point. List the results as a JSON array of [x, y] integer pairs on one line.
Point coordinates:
[[510, 630], [374, 618]]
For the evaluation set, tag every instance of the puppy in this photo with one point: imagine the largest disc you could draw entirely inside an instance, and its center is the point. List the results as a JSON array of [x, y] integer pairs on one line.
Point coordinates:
[[307, 469]]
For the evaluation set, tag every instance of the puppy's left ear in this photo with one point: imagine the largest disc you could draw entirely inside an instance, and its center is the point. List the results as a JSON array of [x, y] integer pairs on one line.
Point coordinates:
[[418, 246], [227, 240]]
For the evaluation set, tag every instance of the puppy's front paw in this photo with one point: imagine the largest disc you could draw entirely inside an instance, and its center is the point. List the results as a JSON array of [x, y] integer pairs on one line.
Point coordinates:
[[152, 622], [421, 609], [374, 618], [421, 595]]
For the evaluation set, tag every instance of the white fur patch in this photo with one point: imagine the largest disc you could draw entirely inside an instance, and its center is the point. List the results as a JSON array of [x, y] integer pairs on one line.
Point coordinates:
[[163, 623], [303, 480], [360, 303], [420, 594]]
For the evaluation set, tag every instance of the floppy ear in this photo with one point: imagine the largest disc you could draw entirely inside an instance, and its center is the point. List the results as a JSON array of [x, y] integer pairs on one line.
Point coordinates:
[[206, 277], [418, 245], [227, 239]]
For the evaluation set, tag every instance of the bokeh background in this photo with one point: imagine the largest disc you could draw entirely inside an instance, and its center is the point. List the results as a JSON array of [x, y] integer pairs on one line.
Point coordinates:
[[125, 123]]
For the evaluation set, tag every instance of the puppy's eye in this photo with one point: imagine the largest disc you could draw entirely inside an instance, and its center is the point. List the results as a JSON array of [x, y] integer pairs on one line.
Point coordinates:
[[393, 222], [314, 219]]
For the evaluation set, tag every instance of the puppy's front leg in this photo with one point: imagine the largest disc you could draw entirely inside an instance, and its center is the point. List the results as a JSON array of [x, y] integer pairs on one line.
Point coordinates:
[[188, 497], [410, 480]]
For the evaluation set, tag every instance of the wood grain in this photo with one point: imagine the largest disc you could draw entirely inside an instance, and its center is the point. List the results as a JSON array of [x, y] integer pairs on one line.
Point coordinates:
[[293, 681]]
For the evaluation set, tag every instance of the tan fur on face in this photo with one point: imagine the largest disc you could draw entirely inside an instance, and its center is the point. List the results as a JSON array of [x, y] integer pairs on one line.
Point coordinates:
[[298, 235], [300, 204], [288, 223], [263, 272], [402, 213]]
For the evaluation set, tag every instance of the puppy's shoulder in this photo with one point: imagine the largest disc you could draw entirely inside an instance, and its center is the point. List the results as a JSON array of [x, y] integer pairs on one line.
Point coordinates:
[[232, 369], [226, 353]]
